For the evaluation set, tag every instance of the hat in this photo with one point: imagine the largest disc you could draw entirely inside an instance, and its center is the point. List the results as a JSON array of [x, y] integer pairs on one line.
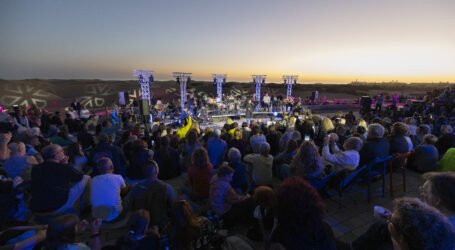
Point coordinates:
[[217, 132]]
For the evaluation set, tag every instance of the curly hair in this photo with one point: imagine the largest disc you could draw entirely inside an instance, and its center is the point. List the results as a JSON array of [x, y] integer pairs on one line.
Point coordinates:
[[307, 158], [299, 205], [400, 128], [200, 158], [327, 124], [421, 225]]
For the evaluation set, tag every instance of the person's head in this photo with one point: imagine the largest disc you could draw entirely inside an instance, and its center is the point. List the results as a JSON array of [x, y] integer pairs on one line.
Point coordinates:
[[200, 158], [327, 124], [74, 149], [225, 172], [151, 170], [291, 146], [416, 225], [362, 123], [439, 190], [17, 149], [137, 127], [299, 205], [423, 130], [264, 149], [238, 135], [307, 157], [430, 139], [375, 130], [400, 129], [234, 155], [446, 129], [265, 197], [361, 130], [353, 143], [256, 130], [105, 166], [192, 137], [103, 138], [53, 153], [139, 222], [62, 231], [217, 132]]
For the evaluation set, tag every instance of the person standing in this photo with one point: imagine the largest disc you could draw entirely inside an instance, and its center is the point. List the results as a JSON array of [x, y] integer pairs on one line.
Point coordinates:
[[249, 111], [76, 106], [379, 101]]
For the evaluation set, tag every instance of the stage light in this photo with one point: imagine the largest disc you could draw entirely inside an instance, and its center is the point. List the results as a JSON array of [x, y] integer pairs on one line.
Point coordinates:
[[295, 81], [151, 79], [178, 79], [263, 81], [275, 114], [140, 78], [285, 81], [214, 80], [188, 80], [224, 80]]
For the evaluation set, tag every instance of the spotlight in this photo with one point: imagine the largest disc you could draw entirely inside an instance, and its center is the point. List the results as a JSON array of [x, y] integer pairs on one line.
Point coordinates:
[[285, 81], [214, 80], [263, 81], [295, 81], [275, 114], [188, 80], [151, 79], [224, 80], [178, 79]]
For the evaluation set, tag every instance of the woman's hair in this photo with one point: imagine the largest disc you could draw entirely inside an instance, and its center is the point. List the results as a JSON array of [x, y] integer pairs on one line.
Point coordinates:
[[265, 197], [327, 124], [238, 134], [291, 146], [307, 158], [137, 127], [299, 205], [137, 225], [430, 139], [185, 226], [400, 128], [61, 231], [73, 150], [138, 145], [63, 132], [224, 170], [200, 158], [362, 123], [421, 225], [192, 137]]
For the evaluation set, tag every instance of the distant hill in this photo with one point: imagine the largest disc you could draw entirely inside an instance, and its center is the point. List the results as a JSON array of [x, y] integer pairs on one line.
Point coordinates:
[[58, 93]]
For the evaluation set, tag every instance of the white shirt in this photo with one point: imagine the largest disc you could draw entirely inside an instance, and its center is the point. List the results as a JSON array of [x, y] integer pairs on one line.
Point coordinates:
[[85, 114], [106, 192], [348, 159], [266, 99]]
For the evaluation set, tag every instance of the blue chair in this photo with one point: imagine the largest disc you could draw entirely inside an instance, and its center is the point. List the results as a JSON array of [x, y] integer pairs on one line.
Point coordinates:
[[366, 171]]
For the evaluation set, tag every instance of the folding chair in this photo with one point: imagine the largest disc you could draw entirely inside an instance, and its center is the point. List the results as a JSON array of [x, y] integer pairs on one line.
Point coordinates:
[[346, 185], [403, 171]]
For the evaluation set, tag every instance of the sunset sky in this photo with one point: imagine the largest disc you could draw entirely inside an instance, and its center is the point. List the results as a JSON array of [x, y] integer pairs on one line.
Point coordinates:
[[334, 41]]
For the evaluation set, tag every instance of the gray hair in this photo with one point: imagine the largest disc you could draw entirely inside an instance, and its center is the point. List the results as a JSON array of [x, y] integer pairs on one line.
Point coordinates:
[[421, 225], [234, 155], [376, 130], [264, 149], [49, 152], [354, 143]]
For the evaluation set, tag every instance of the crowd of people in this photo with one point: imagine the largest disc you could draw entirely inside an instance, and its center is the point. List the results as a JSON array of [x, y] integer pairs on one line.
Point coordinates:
[[59, 173]]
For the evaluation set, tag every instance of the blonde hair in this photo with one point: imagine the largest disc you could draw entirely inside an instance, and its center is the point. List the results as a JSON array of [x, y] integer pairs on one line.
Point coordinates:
[[327, 124], [362, 123]]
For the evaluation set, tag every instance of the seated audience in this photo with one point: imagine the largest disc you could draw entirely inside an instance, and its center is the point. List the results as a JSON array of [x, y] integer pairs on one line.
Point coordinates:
[[216, 147], [265, 215], [168, 159], [152, 195], [425, 156], [199, 175], [375, 146], [19, 164], [106, 187], [56, 186], [141, 235], [300, 216], [62, 233], [306, 163], [343, 160], [239, 181], [261, 165], [446, 140], [225, 202], [105, 149], [416, 225]]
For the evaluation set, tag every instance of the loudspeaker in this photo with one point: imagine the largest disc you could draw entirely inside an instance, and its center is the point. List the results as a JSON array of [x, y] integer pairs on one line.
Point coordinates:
[[144, 108]]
